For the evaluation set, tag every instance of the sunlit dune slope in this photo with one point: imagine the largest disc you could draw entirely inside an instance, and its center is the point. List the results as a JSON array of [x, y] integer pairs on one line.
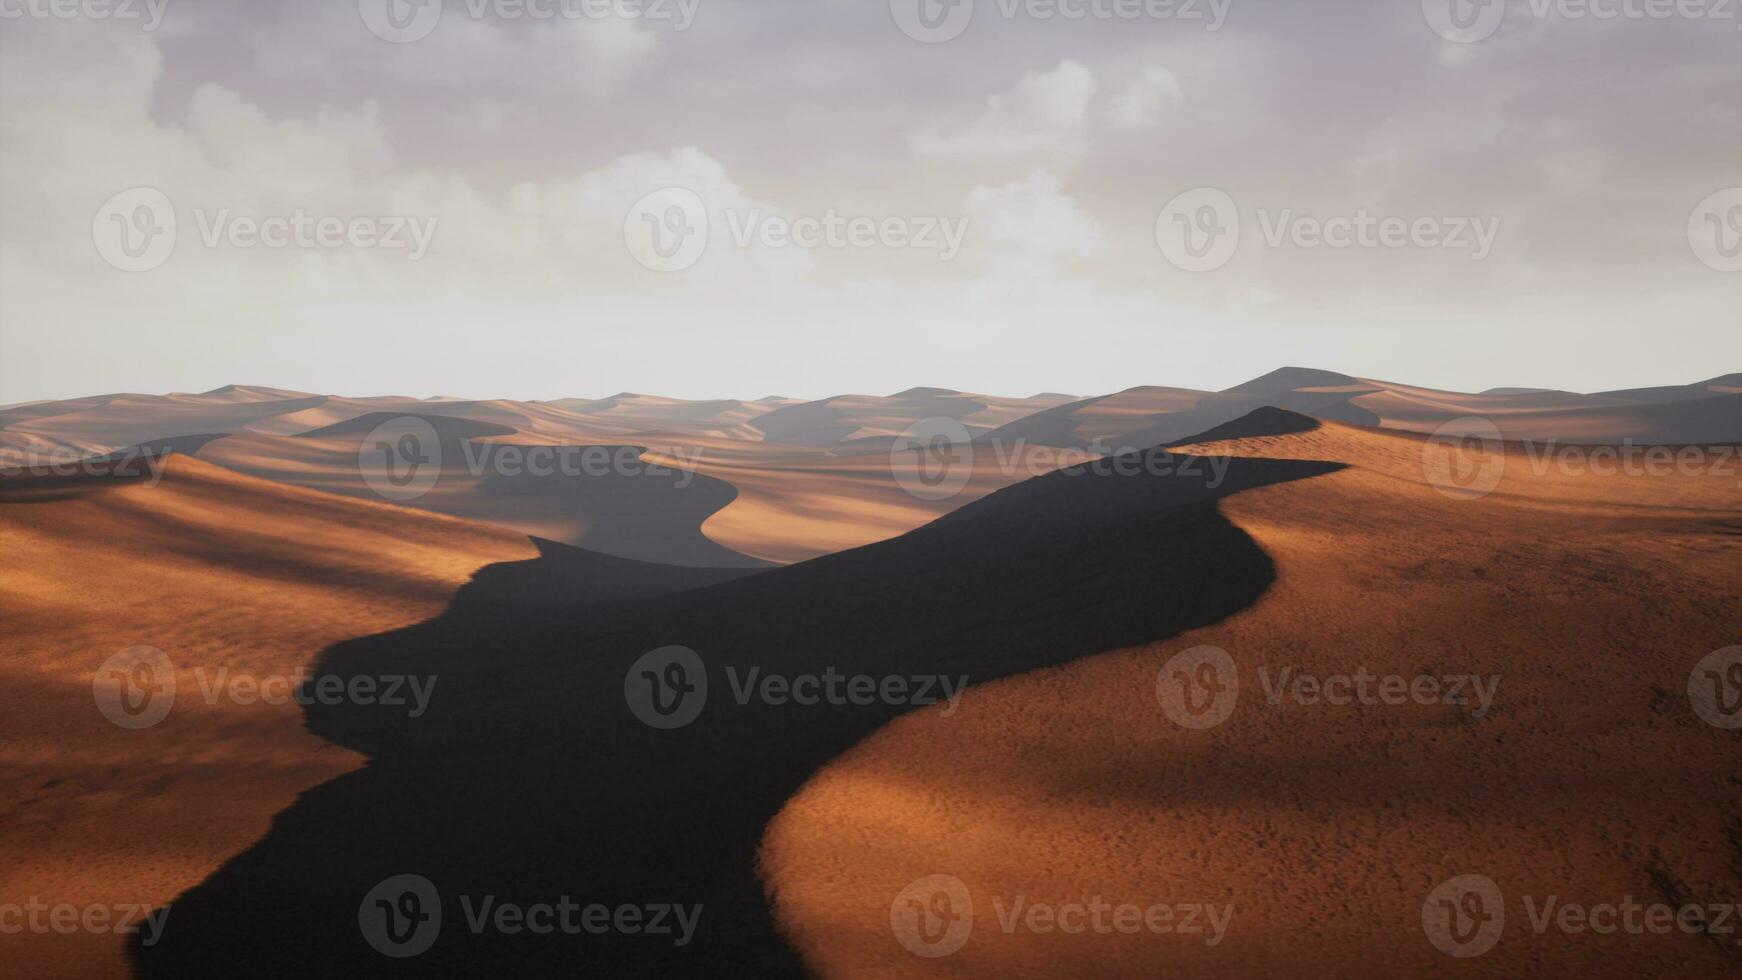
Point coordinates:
[[845, 418], [1325, 827], [232, 578], [605, 498]]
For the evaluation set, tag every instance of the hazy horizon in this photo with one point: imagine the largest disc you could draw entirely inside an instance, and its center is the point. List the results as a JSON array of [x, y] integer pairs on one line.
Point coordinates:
[[390, 391]]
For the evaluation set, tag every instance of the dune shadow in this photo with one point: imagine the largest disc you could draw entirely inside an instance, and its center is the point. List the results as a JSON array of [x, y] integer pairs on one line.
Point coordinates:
[[529, 778]]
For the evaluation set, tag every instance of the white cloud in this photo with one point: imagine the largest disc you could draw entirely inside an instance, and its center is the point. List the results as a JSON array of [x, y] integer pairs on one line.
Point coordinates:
[[1042, 117], [1147, 100], [1031, 223]]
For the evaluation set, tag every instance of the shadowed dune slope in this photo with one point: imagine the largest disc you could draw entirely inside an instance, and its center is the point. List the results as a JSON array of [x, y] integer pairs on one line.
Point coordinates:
[[234, 579], [1588, 601], [530, 779]]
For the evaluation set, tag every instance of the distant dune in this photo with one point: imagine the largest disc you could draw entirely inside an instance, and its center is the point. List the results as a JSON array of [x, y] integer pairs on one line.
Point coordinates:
[[809, 478]]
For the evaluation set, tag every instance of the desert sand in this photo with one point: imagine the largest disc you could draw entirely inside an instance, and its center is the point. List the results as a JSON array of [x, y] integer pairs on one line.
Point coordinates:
[[1326, 827], [223, 573], [1321, 546]]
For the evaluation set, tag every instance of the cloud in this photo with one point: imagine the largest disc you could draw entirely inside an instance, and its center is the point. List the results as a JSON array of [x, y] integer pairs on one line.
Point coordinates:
[[1031, 223], [1042, 116], [578, 57], [1146, 100]]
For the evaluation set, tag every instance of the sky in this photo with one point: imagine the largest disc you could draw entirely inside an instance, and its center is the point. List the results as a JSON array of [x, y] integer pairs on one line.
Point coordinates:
[[738, 198]]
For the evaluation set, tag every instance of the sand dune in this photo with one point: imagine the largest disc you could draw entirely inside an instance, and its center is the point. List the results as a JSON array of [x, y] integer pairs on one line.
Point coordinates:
[[221, 572], [853, 417], [610, 809], [1322, 546], [610, 499], [811, 478], [1325, 828], [1709, 411]]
